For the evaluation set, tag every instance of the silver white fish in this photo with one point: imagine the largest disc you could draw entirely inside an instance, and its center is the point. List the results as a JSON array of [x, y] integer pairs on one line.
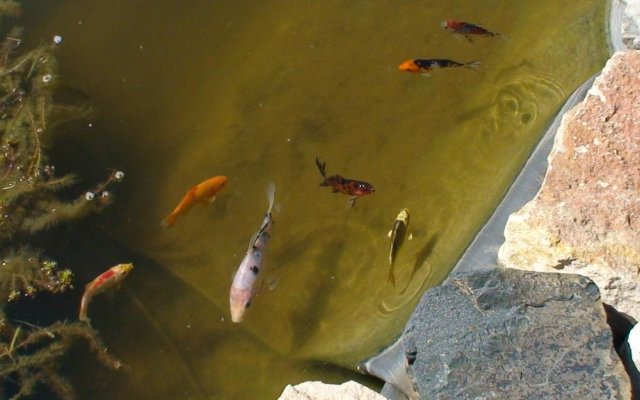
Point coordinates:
[[243, 287], [398, 234]]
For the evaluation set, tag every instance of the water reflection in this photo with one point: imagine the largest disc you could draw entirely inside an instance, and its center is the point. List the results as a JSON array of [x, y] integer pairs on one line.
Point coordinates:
[[256, 92]]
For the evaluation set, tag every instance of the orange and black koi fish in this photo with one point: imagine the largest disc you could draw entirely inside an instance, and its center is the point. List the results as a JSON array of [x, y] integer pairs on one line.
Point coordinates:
[[344, 185], [426, 65], [466, 29]]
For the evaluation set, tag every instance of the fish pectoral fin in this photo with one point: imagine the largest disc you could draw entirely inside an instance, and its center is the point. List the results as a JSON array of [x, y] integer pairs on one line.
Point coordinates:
[[410, 237], [272, 283], [389, 233], [335, 190], [212, 199], [425, 74]]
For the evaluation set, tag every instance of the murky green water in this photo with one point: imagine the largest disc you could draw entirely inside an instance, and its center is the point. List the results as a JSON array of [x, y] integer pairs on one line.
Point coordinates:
[[255, 91]]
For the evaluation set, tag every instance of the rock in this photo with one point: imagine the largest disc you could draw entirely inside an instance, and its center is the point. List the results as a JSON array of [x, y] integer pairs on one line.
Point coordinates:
[[586, 217], [630, 24], [630, 354], [507, 334], [634, 344], [322, 391]]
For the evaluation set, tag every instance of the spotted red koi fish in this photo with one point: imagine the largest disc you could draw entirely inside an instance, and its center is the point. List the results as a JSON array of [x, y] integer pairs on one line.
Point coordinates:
[[466, 29], [344, 185]]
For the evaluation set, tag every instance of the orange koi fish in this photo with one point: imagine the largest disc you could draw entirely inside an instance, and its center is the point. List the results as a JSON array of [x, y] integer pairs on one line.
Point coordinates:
[[426, 65], [103, 282], [202, 193], [466, 29]]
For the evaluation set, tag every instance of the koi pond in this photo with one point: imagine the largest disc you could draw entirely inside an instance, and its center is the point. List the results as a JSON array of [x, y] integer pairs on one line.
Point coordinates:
[[256, 91]]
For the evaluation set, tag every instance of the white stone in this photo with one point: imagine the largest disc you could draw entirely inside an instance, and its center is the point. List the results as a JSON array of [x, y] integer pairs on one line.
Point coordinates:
[[631, 24], [323, 391], [634, 344]]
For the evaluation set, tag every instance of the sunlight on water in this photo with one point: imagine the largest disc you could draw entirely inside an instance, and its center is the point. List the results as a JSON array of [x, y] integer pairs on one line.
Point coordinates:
[[257, 91]]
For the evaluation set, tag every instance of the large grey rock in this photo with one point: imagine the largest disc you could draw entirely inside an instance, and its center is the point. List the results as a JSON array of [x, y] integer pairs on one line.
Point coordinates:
[[507, 334]]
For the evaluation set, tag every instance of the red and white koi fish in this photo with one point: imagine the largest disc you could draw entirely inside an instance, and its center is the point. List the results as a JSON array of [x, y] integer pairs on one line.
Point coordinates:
[[244, 281], [103, 282], [466, 29], [202, 193]]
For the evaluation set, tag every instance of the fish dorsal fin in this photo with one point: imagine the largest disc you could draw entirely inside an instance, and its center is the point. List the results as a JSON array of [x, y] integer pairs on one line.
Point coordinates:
[[253, 240], [271, 195]]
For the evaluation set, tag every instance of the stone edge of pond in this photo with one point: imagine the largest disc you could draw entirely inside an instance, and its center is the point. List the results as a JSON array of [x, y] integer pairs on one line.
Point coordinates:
[[481, 257]]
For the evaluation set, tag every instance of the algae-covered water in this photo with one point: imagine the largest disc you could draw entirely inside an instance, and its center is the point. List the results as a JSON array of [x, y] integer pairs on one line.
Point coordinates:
[[256, 91]]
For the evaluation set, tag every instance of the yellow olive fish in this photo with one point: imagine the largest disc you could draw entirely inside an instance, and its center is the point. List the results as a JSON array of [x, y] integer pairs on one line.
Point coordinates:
[[398, 234], [102, 283]]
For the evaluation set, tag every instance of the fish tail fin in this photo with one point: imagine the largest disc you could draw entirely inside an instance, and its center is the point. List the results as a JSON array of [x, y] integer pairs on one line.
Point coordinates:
[[84, 306], [472, 65], [391, 278], [321, 167], [271, 195], [170, 220]]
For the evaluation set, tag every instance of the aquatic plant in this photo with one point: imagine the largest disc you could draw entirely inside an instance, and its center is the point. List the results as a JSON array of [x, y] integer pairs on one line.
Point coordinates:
[[30, 203]]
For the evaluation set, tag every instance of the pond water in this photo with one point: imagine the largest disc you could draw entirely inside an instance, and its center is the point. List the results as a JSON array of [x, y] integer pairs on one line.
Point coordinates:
[[256, 91]]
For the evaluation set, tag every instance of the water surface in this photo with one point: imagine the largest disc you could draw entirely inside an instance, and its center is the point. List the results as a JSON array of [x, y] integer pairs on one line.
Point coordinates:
[[255, 91]]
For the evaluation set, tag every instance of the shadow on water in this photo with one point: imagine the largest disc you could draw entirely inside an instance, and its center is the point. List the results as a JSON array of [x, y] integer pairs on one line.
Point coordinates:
[[174, 341], [306, 315], [421, 258]]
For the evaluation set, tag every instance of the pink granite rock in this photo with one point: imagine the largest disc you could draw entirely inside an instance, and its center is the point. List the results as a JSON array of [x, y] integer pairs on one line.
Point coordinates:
[[586, 217]]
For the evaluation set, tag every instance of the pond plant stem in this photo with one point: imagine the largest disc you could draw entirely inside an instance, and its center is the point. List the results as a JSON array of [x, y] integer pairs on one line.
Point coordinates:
[[30, 356]]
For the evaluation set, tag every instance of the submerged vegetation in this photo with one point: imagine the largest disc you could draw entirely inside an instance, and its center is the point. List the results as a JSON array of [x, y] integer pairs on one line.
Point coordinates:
[[29, 203]]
